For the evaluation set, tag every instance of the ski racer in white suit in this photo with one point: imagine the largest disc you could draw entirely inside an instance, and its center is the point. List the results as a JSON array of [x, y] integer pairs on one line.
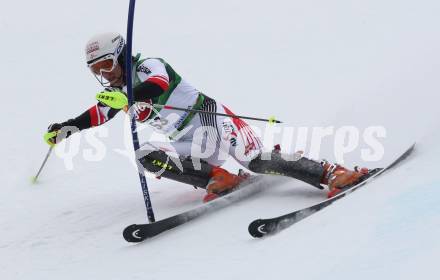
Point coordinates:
[[200, 142]]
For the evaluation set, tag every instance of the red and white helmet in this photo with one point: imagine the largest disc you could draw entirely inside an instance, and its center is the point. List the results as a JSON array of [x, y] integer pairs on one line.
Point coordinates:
[[104, 46]]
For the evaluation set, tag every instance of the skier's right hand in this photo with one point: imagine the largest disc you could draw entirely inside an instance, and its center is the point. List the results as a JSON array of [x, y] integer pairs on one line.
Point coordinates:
[[51, 136]]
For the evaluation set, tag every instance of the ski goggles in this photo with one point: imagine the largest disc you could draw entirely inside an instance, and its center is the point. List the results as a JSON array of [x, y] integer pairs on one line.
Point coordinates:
[[101, 67], [105, 64]]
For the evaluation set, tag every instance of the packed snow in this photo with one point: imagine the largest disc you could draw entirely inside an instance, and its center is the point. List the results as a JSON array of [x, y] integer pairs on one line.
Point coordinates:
[[316, 65]]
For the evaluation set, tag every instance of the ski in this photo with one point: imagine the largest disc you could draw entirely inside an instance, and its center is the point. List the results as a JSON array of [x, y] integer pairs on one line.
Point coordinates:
[[263, 227], [140, 232]]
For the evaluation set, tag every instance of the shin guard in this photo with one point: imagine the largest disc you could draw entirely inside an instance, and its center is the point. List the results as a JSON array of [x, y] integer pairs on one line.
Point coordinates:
[[302, 168], [180, 169]]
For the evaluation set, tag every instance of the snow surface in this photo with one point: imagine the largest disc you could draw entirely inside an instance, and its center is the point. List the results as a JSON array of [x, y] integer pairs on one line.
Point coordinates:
[[309, 63]]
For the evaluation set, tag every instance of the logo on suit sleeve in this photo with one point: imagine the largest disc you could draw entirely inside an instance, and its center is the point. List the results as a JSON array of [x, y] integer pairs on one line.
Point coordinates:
[[143, 69]]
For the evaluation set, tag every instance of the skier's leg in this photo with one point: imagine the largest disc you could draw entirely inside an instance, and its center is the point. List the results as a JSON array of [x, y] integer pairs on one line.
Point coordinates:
[[178, 168], [247, 149], [245, 144], [335, 176], [295, 166], [185, 161]]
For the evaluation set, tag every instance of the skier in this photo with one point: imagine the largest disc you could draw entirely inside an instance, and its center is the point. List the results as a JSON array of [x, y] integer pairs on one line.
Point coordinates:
[[155, 82]]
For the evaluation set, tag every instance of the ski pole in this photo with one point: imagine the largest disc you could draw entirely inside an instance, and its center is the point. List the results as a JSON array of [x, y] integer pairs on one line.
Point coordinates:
[[270, 120], [35, 178], [135, 138]]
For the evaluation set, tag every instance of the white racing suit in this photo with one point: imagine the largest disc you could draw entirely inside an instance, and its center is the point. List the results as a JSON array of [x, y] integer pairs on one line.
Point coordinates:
[[199, 141], [202, 140]]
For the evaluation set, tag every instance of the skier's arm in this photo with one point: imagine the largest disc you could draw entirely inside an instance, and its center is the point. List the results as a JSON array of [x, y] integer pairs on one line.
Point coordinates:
[[95, 116], [155, 80]]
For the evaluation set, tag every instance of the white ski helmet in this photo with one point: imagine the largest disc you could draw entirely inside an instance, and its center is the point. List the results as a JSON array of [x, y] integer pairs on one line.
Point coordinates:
[[103, 47]]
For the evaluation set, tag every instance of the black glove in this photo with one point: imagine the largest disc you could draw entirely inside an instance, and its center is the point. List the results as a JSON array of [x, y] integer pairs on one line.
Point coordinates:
[[54, 127]]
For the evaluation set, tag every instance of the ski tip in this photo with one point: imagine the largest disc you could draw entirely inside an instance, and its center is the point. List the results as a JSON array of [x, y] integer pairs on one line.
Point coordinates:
[[411, 148], [131, 234], [256, 229]]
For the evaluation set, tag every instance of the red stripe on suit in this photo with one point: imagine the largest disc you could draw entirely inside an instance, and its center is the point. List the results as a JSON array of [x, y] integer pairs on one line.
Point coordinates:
[[160, 81]]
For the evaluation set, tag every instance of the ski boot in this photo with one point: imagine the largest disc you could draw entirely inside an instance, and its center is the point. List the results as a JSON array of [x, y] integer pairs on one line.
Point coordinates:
[[222, 182], [339, 178]]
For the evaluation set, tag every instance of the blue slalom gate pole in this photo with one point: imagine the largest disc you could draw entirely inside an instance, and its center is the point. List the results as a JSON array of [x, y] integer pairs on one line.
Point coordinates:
[[128, 73]]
